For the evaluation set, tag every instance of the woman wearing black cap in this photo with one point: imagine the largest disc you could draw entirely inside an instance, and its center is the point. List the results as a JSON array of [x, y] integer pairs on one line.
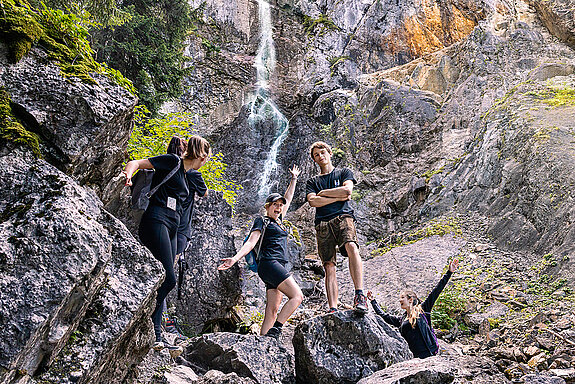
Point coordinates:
[[273, 259]]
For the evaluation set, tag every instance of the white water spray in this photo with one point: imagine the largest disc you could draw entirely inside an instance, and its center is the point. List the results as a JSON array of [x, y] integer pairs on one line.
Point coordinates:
[[262, 107]]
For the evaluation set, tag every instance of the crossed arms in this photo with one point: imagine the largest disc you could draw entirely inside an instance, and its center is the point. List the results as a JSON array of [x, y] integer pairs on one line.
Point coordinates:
[[328, 196]]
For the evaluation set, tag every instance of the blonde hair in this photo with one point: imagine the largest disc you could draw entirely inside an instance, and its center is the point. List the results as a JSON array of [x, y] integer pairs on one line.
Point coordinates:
[[415, 309], [319, 145], [198, 147]]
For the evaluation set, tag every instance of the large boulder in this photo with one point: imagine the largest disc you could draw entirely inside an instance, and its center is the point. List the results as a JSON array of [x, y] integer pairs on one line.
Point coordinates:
[[439, 370], [76, 288], [84, 128], [208, 295], [257, 357], [344, 347]]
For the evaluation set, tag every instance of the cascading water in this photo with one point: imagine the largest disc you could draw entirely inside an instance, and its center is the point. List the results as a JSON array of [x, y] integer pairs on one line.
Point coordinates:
[[262, 107]]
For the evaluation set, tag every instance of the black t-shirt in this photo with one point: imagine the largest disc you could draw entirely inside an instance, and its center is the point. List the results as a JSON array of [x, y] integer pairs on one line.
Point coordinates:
[[197, 185], [274, 242], [175, 188], [334, 179]]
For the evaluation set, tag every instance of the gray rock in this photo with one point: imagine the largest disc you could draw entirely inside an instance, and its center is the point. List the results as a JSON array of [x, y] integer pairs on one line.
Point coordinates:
[[217, 377], [559, 17], [208, 295], [541, 379], [84, 128], [365, 343], [76, 288], [257, 357], [439, 370]]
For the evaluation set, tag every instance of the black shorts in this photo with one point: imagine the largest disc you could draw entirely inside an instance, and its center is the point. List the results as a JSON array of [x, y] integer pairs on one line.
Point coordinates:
[[272, 272]]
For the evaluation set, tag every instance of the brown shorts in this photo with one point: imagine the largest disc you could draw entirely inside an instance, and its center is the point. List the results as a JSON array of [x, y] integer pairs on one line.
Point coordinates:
[[334, 234]]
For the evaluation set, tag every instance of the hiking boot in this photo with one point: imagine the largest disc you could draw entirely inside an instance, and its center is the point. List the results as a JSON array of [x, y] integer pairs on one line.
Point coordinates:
[[162, 343], [173, 328], [274, 332], [360, 303]]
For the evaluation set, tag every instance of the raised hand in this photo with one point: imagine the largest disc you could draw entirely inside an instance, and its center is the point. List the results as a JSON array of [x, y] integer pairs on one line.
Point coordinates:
[[295, 171], [453, 265], [370, 295], [128, 179]]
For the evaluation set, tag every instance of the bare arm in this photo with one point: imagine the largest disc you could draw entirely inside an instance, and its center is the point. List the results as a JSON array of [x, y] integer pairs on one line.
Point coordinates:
[[343, 191], [133, 166], [320, 201], [244, 250], [295, 171]]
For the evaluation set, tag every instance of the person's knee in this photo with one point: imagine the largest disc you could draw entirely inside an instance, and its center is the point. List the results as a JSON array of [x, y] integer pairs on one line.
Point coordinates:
[[273, 308], [298, 298], [329, 268]]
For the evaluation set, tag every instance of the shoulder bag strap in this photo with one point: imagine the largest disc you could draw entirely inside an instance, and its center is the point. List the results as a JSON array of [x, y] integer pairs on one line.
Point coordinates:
[[172, 172], [266, 223]]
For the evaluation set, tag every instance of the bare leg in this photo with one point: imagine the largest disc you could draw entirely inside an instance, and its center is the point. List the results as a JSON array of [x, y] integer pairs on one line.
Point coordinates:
[[273, 301], [293, 292], [331, 284], [355, 264]]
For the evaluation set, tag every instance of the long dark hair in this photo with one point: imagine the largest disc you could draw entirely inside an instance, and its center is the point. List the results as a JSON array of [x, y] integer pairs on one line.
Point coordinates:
[[177, 146]]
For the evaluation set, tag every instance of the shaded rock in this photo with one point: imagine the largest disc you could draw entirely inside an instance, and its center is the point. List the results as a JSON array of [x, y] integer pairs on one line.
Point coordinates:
[[257, 357], [76, 288], [365, 343], [208, 295], [84, 128], [559, 17]]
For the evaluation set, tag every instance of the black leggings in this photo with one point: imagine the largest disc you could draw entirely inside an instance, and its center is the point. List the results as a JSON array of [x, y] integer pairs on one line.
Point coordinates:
[[158, 233]]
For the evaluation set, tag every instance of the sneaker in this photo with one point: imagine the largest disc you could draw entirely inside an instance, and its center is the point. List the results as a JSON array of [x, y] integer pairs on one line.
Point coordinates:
[[360, 303], [173, 328], [332, 310], [274, 332], [174, 350]]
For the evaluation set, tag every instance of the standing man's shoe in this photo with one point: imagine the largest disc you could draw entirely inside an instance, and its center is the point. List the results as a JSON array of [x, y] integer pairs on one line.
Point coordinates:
[[360, 303], [274, 332]]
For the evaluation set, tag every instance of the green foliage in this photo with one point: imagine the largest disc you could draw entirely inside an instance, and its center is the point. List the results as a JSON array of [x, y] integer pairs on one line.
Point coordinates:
[[63, 35], [439, 227], [556, 96], [320, 25], [448, 308], [106, 12], [428, 174], [213, 173], [148, 48], [151, 136], [12, 130]]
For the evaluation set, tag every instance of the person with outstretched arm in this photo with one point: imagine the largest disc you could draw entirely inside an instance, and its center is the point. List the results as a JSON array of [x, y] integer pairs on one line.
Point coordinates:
[[273, 260], [415, 324]]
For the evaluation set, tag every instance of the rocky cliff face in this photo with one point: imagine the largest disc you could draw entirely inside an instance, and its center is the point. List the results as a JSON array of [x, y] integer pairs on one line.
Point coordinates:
[[77, 288]]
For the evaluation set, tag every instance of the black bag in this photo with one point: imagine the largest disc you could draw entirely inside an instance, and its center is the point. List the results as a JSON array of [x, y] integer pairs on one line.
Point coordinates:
[[141, 184], [253, 256]]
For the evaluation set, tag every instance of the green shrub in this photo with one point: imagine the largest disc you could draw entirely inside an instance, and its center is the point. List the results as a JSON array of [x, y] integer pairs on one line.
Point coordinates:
[[151, 136]]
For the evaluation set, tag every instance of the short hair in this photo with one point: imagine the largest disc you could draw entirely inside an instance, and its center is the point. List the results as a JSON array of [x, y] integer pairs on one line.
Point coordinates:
[[177, 146], [319, 145], [198, 147]]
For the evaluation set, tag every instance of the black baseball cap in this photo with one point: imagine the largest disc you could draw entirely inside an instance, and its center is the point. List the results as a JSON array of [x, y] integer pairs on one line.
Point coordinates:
[[272, 198]]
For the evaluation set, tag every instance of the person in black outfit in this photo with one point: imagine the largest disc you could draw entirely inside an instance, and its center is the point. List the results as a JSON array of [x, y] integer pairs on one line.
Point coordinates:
[[273, 259], [415, 324], [196, 187], [159, 224]]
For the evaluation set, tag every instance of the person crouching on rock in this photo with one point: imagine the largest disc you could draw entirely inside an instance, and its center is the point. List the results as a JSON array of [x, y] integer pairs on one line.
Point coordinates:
[[159, 224], [273, 259], [415, 324]]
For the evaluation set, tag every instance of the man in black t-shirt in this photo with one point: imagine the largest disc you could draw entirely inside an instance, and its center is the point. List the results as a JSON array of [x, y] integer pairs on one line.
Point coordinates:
[[330, 192]]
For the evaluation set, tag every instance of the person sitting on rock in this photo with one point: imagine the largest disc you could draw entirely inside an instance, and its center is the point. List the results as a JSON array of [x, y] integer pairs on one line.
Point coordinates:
[[329, 193], [415, 324], [272, 260], [159, 224]]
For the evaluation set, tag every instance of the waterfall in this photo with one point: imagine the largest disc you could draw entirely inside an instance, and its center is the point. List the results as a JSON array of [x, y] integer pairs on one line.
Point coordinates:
[[262, 107]]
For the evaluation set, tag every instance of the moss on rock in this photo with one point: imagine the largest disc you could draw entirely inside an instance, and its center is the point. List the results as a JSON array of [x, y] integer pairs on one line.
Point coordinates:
[[12, 130], [62, 35]]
